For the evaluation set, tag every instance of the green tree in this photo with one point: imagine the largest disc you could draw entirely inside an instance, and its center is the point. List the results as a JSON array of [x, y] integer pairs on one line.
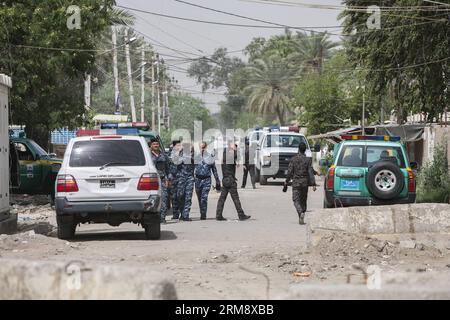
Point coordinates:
[[48, 83], [407, 59], [331, 99], [312, 50], [184, 111], [433, 181], [269, 87], [215, 71]]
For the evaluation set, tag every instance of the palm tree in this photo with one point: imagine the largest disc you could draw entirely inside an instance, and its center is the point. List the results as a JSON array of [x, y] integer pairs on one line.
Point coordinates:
[[270, 79], [311, 50]]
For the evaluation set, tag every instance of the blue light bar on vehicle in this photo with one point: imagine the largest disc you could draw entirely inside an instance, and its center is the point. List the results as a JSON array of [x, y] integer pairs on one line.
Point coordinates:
[[371, 138], [139, 125]]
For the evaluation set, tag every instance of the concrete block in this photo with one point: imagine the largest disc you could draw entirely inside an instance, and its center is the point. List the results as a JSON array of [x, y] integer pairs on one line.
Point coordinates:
[[395, 285], [361, 292], [9, 225], [23, 279], [409, 218]]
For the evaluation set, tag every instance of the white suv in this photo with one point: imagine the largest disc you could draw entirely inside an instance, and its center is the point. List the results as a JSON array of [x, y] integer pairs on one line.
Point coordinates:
[[108, 179], [274, 152]]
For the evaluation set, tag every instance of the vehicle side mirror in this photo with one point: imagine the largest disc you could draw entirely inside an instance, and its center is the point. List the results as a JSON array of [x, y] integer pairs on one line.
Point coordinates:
[[316, 148], [324, 163], [414, 165]]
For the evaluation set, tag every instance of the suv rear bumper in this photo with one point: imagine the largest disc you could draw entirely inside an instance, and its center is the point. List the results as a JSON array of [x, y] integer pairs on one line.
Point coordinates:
[[66, 207], [331, 199]]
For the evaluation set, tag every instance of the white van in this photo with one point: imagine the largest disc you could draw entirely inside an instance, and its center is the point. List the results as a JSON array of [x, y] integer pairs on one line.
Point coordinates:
[[108, 179]]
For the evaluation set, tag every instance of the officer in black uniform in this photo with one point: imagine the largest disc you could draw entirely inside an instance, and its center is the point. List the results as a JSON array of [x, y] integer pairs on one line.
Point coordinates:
[[249, 166], [229, 184], [302, 174]]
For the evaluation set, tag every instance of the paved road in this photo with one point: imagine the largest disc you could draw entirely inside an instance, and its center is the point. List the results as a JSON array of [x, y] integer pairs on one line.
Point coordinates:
[[205, 258]]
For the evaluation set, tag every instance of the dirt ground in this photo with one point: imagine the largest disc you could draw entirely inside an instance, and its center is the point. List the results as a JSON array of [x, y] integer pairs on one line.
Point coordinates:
[[255, 259]]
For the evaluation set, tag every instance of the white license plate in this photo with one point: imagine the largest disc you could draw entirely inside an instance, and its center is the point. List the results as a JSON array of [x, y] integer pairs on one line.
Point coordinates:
[[107, 184]]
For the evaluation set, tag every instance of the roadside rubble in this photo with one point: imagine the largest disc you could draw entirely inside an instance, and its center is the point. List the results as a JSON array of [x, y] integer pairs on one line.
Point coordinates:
[[34, 213]]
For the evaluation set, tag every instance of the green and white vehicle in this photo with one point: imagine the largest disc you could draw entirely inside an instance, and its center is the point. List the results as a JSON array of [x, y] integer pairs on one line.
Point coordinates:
[[369, 170]]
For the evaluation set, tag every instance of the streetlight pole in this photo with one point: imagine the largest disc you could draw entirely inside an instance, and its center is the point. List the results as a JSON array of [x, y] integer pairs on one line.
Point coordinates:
[[115, 71], [130, 79], [158, 100], [154, 62], [142, 82], [363, 112]]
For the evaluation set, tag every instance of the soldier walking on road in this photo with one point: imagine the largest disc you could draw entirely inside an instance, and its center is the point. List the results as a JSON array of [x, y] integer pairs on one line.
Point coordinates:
[[205, 164], [229, 184], [248, 166], [162, 164], [302, 175]]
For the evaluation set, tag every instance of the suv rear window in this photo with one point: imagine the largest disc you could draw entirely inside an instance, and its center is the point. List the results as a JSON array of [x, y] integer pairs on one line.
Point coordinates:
[[366, 156], [96, 153]]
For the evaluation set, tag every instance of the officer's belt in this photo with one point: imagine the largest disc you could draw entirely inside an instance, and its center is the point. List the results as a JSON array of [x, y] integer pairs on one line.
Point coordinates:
[[202, 177]]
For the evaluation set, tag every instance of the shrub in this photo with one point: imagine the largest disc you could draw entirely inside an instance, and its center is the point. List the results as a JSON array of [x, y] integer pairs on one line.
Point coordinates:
[[433, 180]]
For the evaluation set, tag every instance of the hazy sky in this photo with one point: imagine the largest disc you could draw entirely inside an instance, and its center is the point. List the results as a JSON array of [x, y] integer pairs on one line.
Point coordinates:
[[196, 39]]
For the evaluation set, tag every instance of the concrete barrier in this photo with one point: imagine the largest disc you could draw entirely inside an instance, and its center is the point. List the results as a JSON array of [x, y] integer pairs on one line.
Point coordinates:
[[9, 225], [397, 286], [23, 279], [395, 219], [360, 292]]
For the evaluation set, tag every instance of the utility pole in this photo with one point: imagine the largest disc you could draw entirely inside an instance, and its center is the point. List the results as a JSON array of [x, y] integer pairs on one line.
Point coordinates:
[[363, 113], [164, 102], [87, 92], [130, 79], [153, 95], [115, 71], [142, 82], [158, 78]]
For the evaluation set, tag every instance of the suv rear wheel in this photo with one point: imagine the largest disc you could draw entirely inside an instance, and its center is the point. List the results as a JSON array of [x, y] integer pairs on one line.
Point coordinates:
[[153, 231], [385, 180], [66, 227]]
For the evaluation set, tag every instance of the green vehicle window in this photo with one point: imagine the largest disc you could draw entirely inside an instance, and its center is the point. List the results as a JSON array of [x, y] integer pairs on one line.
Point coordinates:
[[379, 153], [351, 156], [37, 148]]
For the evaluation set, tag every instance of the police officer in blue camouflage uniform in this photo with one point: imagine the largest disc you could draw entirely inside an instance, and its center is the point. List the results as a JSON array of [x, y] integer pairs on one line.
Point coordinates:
[[184, 159], [173, 168], [205, 164], [162, 164]]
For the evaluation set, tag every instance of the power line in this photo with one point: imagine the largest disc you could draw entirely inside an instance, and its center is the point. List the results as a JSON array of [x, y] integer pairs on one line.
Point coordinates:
[[209, 22], [250, 18], [352, 8], [58, 49], [170, 35], [277, 26]]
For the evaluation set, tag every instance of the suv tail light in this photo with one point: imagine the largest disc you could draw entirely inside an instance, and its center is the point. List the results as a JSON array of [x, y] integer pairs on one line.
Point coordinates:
[[148, 181], [330, 179], [411, 182], [66, 183]]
